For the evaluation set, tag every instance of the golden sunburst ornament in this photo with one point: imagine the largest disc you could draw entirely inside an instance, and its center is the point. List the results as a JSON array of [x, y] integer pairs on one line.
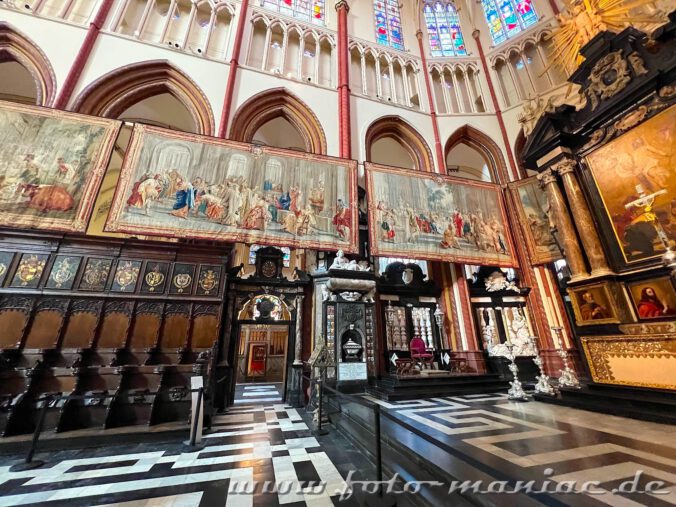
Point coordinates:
[[584, 19]]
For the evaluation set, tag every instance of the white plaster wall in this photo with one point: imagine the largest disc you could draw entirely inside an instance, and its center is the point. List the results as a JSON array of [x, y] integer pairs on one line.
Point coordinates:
[[366, 111], [59, 41], [120, 51], [322, 101]]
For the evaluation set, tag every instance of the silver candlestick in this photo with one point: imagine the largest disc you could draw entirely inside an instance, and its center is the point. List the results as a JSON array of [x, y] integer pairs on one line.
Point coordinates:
[[515, 392], [568, 377], [543, 385]]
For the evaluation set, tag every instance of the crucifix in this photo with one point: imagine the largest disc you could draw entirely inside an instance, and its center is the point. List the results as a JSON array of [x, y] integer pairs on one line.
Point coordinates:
[[645, 201]]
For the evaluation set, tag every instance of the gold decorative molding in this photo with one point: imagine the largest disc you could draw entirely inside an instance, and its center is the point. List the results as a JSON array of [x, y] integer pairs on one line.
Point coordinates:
[[648, 328], [641, 361]]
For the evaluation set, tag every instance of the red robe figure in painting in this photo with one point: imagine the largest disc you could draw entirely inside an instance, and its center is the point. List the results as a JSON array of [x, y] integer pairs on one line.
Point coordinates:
[[458, 221], [341, 219], [650, 307]]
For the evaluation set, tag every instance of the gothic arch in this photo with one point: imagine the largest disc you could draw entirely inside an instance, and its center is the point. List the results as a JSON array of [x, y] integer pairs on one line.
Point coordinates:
[[276, 103], [398, 129], [114, 92], [15, 46], [484, 145]]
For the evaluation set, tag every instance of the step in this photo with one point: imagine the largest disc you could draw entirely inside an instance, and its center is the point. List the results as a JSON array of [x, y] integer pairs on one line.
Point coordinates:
[[643, 404]]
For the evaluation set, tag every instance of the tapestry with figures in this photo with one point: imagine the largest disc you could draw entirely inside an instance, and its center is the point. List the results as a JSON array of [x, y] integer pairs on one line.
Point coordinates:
[[51, 166], [427, 216], [184, 185]]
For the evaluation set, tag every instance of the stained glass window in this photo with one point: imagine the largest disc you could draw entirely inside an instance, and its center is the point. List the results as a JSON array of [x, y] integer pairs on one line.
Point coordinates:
[[443, 29], [388, 23], [506, 18], [307, 10]]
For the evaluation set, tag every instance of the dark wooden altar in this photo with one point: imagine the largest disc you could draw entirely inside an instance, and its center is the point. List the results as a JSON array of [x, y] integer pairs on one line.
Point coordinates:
[[608, 170]]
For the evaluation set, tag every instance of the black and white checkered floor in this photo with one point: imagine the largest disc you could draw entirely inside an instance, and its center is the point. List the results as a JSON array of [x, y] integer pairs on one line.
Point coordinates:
[[246, 447]]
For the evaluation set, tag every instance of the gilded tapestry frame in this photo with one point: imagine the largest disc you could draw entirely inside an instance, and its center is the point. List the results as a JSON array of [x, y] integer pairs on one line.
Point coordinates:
[[531, 244], [378, 250], [115, 223], [93, 179], [575, 292]]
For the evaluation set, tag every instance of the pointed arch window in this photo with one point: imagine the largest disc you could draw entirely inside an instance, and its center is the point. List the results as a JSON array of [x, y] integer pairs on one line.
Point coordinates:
[[311, 11], [507, 18], [388, 23], [443, 29]]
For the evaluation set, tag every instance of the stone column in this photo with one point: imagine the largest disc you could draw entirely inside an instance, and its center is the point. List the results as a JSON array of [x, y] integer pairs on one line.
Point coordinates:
[[582, 217], [299, 332], [344, 114], [558, 215]]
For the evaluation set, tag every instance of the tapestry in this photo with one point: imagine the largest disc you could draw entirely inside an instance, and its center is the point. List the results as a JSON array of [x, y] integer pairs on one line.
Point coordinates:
[[51, 166], [188, 186], [636, 177], [531, 203], [421, 215]]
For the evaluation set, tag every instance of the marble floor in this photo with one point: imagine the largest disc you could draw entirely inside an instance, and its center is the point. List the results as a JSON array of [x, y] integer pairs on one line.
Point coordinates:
[[593, 458], [264, 454], [255, 455], [270, 392]]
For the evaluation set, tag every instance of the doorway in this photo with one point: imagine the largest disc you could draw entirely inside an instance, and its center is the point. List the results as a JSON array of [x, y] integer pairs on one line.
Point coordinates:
[[262, 350]]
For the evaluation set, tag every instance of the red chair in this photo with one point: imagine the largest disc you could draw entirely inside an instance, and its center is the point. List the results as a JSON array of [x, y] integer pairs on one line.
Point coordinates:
[[419, 353]]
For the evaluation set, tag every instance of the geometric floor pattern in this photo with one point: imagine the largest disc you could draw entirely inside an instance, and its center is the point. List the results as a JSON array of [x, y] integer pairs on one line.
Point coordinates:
[[537, 441], [258, 393], [245, 448]]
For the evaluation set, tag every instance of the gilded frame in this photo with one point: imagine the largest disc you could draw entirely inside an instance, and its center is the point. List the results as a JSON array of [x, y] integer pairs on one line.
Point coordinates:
[[623, 133], [670, 297], [537, 255], [575, 295], [93, 179], [115, 222], [378, 250], [597, 348]]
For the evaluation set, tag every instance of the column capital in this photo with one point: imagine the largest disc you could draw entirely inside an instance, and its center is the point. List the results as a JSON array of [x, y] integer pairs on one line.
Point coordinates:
[[342, 4], [546, 177], [419, 34], [564, 166], [476, 33]]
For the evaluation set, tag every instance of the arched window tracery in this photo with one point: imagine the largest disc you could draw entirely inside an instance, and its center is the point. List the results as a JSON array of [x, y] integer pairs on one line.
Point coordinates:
[[443, 29], [311, 11], [507, 18], [388, 23]]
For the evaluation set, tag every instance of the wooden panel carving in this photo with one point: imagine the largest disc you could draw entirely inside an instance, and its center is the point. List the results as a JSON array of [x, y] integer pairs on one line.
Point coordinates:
[[115, 325], [47, 323]]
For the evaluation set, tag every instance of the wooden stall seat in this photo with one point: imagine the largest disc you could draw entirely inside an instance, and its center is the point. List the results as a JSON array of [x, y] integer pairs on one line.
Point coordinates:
[[134, 399], [100, 384], [43, 335], [112, 341], [80, 332], [205, 329], [175, 331], [13, 387], [172, 403], [15, 312], [145, 333], [44, 381]]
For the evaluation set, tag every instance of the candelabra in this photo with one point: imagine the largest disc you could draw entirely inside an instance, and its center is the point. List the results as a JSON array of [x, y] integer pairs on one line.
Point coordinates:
[[515, 392], [542, 386], [568, 377]]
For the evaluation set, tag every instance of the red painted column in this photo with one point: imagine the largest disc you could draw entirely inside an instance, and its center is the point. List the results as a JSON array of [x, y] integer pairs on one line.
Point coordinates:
[[441, 162], [234, 65], [514, 172], [83, 55], [555, 8], [344, 119]]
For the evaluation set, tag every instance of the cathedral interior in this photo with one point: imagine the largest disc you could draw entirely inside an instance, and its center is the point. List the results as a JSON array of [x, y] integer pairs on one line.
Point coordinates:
[[337, 252]]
